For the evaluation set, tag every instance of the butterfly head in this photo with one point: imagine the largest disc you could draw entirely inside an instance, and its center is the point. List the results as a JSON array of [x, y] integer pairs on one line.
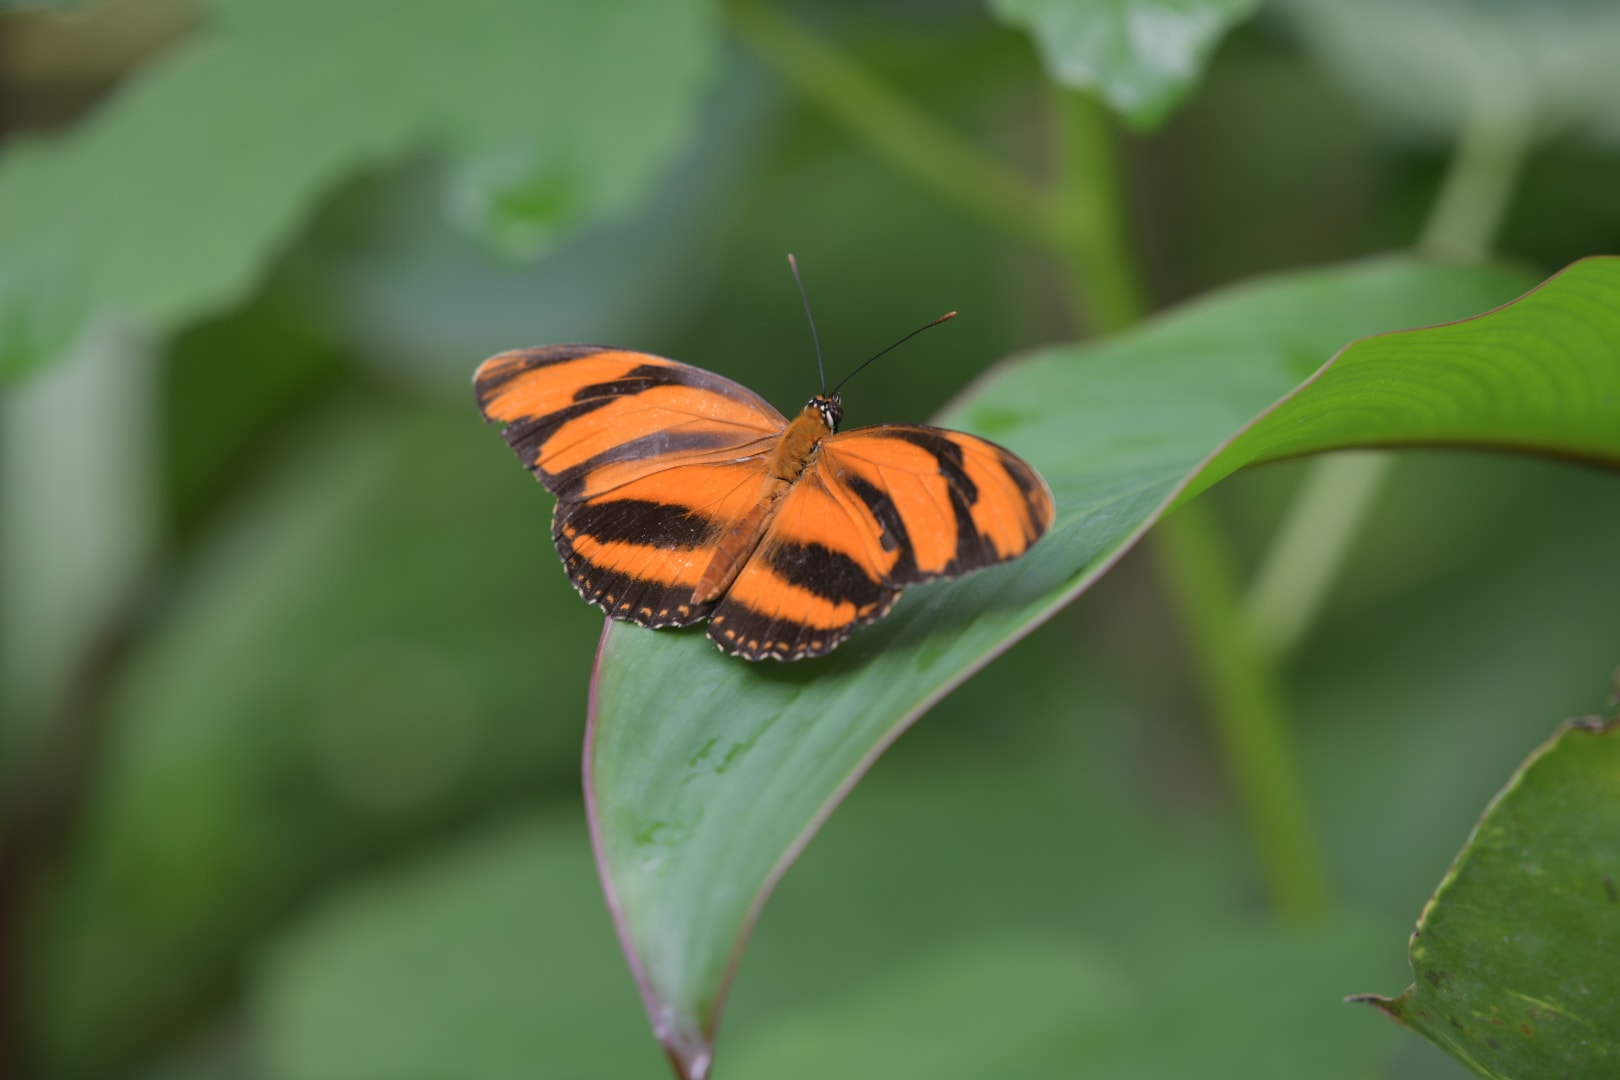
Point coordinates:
[[830, 408]]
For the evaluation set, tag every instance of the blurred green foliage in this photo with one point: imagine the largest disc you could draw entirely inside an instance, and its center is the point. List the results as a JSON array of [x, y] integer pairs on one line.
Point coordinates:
[[293, 688], [1143, 58]]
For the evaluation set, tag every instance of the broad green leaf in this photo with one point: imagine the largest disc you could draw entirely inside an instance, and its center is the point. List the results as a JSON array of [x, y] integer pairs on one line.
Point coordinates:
[[1540, 375], [312, 696], [708, 775], [1517, 957], [1141, 56], [171, 200], [1250, 1004]]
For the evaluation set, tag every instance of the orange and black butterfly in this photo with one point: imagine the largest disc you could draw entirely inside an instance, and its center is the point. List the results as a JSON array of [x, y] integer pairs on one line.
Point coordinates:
[[682, 496]]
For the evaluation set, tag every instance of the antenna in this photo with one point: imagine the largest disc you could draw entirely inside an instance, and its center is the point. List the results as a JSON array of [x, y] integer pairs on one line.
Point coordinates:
[[794, 265], [943, 318]]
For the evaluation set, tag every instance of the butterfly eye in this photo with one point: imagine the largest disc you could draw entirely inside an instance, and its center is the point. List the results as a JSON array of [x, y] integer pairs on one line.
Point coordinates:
[[832, 411]]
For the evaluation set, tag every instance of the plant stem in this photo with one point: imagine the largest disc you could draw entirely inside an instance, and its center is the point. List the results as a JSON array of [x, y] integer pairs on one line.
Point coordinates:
[[1310, 548], [1478, 185], [1245, 703], [1089, 202]]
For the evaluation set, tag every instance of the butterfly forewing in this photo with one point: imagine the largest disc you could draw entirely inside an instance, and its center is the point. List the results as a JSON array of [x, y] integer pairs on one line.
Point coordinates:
[[585, 418], [946, 501]]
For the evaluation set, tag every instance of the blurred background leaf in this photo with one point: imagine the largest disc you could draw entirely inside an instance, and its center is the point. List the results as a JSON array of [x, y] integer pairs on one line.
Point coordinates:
[[284, 101], [1141, 56], [481, 964], [367, 702], [1249, 1003]]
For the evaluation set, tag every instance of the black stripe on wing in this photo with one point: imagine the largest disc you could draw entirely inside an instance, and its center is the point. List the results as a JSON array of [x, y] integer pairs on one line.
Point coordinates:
[[678, 446], [622, 594], [739, 630], [829, 574], [974, 550], [640, 522], [493, 376], [529, 435]]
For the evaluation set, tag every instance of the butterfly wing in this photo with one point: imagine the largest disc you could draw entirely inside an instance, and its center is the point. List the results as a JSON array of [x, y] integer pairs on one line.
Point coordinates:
[[820, 573], [652, 462], [878, 509]]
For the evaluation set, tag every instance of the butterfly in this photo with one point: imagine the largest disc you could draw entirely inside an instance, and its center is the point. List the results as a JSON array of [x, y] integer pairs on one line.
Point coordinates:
[[683, 496]]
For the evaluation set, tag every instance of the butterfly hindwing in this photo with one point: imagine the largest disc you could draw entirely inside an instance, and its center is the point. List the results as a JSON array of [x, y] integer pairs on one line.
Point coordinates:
[[820, 573], [639, 550]]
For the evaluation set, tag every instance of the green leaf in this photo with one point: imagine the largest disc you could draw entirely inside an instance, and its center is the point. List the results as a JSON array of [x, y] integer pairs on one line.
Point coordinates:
[[1142, 56], [1255, 1004], [707, 776], [978, 1008], [172, 199], [494, 960], [1517, 957]]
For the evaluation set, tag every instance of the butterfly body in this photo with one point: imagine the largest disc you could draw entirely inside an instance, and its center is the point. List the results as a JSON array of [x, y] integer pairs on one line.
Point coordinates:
[[683, 496], [792, 454]]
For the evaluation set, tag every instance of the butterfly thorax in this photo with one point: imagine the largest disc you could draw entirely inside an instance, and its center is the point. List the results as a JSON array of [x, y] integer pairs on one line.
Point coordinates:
[[798, 444]]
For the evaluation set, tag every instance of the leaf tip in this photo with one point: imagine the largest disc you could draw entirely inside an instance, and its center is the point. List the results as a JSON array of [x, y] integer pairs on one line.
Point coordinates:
[[1393, 1008], [690, 1053]]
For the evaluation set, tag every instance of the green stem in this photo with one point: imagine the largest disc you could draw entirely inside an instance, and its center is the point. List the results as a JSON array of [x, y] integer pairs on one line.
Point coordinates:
[[1090, 201], [1310, 548], [1246, 706], [1478, 185]]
